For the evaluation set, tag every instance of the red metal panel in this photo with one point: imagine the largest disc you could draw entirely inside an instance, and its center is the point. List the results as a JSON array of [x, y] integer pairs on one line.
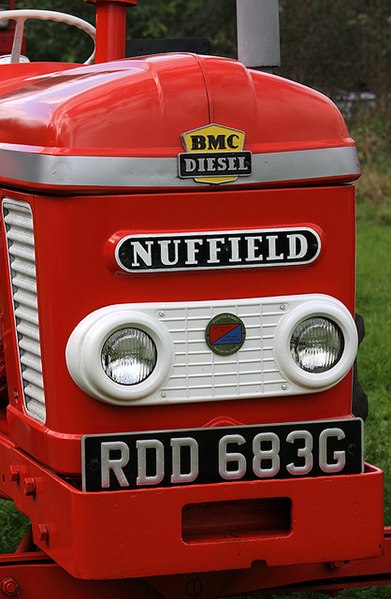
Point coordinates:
[[257, 103], [129, 94], [34, 575], [7, 33], [75, 279], [30, 573], [334, 576]]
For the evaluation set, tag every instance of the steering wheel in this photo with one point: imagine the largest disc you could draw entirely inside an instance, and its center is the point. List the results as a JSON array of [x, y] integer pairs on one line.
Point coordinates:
[[20, 16]]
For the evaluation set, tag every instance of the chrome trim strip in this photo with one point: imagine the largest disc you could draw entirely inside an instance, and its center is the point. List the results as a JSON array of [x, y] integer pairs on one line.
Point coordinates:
[[120, 172]]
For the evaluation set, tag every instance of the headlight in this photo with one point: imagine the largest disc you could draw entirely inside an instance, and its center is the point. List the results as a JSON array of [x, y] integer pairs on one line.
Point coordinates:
[[129, 356], [118, 355], [317, 344]]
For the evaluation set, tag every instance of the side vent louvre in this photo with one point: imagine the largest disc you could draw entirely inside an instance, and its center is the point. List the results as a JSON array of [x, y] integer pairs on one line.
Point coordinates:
[[18, 221]]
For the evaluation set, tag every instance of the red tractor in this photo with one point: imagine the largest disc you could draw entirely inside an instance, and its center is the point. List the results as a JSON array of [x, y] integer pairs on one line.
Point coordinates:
[[177, 303]]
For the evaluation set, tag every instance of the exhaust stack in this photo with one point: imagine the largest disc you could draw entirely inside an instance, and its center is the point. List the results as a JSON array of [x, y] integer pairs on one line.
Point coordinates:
[[110, 28], [258, 33]]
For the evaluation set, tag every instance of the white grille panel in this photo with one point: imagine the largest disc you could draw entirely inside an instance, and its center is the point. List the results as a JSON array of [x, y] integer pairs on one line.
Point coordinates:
[[21, 253], [199, 374], [187, 370]]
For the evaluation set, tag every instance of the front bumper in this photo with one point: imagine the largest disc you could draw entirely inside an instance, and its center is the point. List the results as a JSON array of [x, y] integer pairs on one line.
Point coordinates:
[[200, 528]]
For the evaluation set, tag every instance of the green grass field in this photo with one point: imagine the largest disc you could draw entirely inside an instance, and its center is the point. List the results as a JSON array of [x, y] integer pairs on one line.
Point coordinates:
[[374, 303]]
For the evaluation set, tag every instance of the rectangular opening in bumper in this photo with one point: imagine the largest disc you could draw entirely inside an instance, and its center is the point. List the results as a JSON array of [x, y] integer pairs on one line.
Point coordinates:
[[246, 518]]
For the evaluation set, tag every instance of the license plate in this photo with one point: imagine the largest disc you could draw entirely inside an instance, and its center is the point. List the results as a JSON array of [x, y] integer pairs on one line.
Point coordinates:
[[125, 461]]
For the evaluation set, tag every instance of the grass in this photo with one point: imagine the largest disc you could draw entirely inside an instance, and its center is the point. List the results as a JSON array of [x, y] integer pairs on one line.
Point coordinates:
[[374, 303], [13, 525], [373, 138], [367, 593]]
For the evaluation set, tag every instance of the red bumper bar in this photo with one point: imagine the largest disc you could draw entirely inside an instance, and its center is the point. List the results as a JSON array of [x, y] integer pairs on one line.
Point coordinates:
[[153, 532]]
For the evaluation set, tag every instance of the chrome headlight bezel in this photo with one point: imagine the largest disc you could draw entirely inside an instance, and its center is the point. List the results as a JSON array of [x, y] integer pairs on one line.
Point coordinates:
[[330, 309], [84, 350]]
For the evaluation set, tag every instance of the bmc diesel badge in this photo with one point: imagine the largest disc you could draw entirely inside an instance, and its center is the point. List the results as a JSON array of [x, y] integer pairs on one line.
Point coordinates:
[[225, 334], [214, 154]]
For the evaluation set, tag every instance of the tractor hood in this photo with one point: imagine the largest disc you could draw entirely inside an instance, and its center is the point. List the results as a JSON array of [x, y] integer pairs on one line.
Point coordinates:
[[171, 121]]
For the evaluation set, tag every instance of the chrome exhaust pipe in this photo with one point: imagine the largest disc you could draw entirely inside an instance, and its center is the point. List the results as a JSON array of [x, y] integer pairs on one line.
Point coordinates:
[[258, 33]]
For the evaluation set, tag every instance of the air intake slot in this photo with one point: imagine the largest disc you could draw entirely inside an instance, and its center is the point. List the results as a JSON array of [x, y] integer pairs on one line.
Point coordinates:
[[236, 520], [18, 222]]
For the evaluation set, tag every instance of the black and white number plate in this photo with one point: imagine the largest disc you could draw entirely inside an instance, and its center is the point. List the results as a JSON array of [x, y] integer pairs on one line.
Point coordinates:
[[214, 455]]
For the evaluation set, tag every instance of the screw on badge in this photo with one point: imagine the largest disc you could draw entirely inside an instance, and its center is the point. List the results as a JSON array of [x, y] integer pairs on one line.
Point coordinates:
[[94, 465], [225, 334], [352, 449], [194, 587]]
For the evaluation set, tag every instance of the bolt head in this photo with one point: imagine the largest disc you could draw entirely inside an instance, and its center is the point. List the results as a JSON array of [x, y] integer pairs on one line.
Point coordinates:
[[339, 564], [29, 487], [14, 474], [9, 587], [43, 533]]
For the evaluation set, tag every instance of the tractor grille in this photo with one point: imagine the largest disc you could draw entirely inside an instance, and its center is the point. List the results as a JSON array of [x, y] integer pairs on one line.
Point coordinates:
[[21, 254], [199, 374]]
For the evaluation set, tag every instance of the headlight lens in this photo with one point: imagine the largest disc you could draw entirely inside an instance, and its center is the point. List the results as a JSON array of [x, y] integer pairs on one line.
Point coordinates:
[[129, 356], [317, 344]]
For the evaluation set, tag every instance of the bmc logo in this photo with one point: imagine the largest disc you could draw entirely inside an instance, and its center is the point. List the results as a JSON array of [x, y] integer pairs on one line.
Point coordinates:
[[215, 142], [214, 154]]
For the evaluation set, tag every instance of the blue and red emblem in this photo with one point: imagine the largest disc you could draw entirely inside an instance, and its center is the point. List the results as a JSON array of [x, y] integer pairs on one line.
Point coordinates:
[[225, 334]]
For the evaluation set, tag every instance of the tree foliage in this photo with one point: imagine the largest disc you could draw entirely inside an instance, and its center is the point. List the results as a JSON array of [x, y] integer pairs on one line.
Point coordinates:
[[150, 19], [338, 46], [328, 44]]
